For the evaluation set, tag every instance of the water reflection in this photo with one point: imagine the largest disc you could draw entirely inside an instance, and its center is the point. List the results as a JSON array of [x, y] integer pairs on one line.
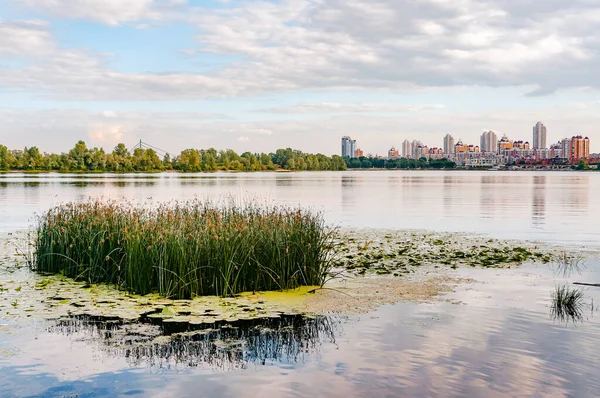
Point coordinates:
[[538, 202], [496, 203], [223, 346]]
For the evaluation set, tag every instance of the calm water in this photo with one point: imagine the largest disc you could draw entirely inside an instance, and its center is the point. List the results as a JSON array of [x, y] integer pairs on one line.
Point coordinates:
[[550, 206], [501, 342]]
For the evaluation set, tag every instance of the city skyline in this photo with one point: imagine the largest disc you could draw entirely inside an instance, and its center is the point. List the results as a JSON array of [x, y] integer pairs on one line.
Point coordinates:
[[488, 142], [490, 152]]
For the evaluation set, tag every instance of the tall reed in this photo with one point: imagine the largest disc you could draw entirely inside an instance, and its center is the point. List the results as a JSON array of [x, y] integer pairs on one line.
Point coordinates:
[[185, 249]]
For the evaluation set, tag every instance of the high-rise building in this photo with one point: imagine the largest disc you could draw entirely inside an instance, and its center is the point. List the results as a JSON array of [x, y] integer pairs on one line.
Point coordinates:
[[421, 151], [348, 147], [414, 145], [448, 144], [359, 153], [539, 136], [406, 149], [488, 142], [580, 148]]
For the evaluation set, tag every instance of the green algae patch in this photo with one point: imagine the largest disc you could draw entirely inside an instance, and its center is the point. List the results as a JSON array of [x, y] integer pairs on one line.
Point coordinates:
[[28, 295], [292, 298]]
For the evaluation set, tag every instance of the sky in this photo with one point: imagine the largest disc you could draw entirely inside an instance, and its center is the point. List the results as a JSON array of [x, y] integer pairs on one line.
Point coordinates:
[[261, 75]]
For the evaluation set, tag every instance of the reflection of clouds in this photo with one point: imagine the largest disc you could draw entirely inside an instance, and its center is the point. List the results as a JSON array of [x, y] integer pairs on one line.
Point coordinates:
[[67, 358], [110, 346], [501, 343]]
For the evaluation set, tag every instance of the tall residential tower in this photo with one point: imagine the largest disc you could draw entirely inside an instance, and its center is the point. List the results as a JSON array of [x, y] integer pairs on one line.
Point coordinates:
[[488, 142], [448, 144], [406, 149], [539, 136], [348, 147]]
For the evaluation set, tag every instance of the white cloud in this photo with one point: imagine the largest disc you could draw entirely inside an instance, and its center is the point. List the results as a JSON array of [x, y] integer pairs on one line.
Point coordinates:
[[385, 44], [25, 38], [103, 134], [331, 107], [111, 12], [57, 130], [296, 45]]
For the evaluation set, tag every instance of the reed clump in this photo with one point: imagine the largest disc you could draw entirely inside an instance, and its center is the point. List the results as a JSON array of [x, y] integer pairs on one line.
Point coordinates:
[[185, 249], [567, 304]]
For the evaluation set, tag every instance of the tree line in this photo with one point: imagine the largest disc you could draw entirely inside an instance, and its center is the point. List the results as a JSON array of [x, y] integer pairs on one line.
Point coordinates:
[[401, 163], [83, 159]]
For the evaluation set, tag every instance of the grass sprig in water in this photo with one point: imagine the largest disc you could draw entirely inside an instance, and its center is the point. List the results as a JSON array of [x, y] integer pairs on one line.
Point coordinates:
[[182, 250], [567, 304]]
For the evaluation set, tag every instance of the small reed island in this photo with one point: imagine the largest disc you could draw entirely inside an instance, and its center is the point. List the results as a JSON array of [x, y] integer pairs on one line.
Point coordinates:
[[185, 250]]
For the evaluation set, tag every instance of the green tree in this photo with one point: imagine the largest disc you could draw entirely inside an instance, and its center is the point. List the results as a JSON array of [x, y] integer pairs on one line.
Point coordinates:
[[7, 159], [79, 157], [582, 165]]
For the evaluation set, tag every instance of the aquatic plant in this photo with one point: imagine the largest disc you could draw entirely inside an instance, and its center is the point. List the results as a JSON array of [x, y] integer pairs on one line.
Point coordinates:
[[185, 249], [568, 263], [567, 304]]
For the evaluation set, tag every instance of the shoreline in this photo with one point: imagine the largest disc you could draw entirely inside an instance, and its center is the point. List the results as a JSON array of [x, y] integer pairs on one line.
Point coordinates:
[[285, 171]]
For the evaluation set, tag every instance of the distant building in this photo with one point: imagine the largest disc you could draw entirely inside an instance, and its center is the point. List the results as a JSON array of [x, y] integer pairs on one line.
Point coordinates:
[[348, 147], [406, 149], [448, 144], [359, 153], [417, 153], [393, 153], [539, 136], [460, 147], [521, 145], [580, 148], [555, 151], [488, 142], [421, 151], [505, 144], [565, 146]]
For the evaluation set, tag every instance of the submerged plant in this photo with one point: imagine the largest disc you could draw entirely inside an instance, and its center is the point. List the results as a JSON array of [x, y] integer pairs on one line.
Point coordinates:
[[567, 304], [188, 249]]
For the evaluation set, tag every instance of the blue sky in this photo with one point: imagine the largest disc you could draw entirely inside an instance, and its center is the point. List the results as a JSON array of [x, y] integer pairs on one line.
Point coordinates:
[[260, 75]]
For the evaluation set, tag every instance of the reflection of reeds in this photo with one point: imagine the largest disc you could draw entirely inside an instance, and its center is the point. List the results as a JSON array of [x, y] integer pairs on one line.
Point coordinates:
[[568, 263], [287, 338], [567, 304], [181, 250]]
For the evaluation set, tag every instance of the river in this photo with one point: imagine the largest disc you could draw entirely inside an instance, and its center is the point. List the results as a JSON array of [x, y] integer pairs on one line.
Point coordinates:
[[492, 337]]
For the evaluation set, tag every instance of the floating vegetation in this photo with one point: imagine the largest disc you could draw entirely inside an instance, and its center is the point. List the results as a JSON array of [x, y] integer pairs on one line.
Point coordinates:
[[399, 253], [234, 345], [184, 250], [567, 304]]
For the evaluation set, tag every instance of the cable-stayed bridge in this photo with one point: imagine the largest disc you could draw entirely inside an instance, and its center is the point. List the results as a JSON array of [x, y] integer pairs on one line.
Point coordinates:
[[160, 152]]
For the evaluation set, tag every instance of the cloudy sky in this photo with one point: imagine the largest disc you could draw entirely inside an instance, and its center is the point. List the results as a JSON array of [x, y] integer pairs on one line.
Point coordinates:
[[260, 75]]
